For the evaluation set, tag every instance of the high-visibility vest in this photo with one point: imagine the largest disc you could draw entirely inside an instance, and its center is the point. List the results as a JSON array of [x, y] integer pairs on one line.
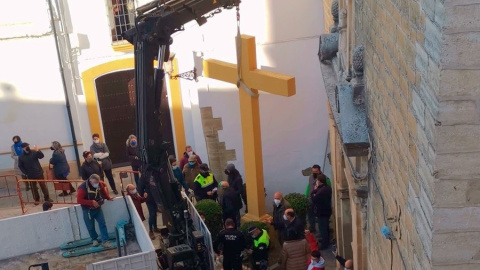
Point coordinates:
[[264, 239], [204, 182]]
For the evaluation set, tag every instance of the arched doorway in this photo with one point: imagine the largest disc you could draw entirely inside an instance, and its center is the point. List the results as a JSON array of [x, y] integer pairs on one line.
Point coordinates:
[[116, 101]]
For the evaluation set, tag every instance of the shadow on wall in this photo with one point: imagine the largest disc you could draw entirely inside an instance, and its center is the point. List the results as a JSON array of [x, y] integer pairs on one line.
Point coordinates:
[[35, 122]]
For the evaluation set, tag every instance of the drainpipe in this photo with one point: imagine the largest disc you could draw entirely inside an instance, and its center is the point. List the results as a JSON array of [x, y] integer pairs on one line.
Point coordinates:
[[67, 102]]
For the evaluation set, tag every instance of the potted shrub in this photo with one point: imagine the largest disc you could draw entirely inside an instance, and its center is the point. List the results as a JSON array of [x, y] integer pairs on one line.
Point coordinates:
[[213, 216], [299, 204]]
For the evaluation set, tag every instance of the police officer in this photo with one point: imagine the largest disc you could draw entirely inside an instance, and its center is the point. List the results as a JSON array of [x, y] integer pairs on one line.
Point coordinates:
[[205, 185], [261, 241], [233, 244]]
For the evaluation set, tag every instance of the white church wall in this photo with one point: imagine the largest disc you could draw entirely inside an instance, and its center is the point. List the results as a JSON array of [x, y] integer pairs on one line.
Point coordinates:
[[294, 129], [32, 100]]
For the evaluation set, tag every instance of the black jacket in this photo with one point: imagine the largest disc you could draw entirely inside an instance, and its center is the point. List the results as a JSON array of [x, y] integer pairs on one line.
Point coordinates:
[[235, 182], [230, 203], [261, 252], [88, 169], [322, 201], [278, 212], [29, 165], [60, 164], [201, 193], [284, 226], [233, 243], [132, 156]]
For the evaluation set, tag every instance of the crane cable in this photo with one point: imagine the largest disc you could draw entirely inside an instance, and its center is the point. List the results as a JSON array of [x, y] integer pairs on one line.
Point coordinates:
[[240, 83]]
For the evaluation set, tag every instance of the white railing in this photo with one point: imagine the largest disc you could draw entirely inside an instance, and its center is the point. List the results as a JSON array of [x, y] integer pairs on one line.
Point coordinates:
[[200, 226]]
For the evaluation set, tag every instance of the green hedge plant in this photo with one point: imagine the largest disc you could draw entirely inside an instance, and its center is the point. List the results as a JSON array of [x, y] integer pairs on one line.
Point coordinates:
[[299, 204], [213, 216]]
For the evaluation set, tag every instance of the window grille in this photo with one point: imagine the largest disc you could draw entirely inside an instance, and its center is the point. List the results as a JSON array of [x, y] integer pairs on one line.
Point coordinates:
[[122, 18]]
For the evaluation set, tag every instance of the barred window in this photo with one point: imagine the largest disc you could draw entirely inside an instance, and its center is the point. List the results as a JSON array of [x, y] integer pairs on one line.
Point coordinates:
[[122, 18]]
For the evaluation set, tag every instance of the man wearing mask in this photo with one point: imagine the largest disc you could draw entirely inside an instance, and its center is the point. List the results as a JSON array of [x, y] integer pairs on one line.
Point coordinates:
[[188, 152], [91, 195], [321, 197], [279, 207], [90, 167], [101, 154], [235, 182], [132, 155], [16, 151], [230, 203], [29, 164], [205, 186], [312, 180], [190, 171], [178, 173], [261, 242], [137, 199]]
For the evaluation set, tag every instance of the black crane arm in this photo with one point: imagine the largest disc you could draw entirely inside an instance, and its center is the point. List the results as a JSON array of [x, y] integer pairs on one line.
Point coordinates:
[[155, 22]]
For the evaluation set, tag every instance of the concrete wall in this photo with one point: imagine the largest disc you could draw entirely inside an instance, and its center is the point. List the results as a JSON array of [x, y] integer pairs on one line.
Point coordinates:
[[48, 230]]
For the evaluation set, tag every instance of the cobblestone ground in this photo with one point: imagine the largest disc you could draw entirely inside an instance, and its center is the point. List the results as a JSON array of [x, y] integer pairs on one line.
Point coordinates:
[[10, 207]]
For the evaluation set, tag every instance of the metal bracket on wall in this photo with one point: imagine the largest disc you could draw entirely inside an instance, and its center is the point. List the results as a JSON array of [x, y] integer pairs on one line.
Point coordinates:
[[190, 75]]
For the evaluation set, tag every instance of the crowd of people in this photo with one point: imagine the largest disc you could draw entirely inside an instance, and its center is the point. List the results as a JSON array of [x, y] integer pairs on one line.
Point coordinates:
[[301, 245]]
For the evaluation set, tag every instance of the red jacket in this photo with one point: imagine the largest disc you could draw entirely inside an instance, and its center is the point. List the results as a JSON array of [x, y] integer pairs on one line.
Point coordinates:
[[137, 201], [312, 241], [82, 194]]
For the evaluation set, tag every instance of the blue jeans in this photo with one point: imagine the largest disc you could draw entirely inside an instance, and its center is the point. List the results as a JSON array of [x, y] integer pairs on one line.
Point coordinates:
[[152, 216], [89, 216]]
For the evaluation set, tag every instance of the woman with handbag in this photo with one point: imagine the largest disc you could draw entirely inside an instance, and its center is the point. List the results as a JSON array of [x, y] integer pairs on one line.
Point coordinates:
[[101, 153], [61, 169]]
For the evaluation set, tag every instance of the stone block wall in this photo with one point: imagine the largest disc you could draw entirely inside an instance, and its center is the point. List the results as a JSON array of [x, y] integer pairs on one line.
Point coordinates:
[[422, 65], [402, 41], [218, 155]]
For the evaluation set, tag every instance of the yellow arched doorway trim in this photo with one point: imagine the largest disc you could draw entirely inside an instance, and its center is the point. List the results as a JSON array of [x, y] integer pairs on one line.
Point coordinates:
[[88, 80]]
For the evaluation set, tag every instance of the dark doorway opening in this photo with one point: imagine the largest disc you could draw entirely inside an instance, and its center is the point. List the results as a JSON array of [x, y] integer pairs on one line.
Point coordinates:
[[116, 99]]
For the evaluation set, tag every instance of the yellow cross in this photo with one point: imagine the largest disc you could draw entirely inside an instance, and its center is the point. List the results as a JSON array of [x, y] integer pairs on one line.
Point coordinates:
[[270, 82]]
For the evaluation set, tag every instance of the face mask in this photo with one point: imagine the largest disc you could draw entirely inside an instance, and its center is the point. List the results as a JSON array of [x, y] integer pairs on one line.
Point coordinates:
[[96, 141], [27, 149], [51, 148], [174, 167], [133, 143], [226, 172], [191, 163], [285, 217], [347, 268], [224, 187], [95, 185], [315, 175], [314, 260], [89, 160], [189, 153], [276, 201], [134, 191]]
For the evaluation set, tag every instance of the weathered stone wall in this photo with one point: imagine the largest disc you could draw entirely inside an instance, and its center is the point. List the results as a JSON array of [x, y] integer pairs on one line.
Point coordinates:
[[402, 41], [456, 218]]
